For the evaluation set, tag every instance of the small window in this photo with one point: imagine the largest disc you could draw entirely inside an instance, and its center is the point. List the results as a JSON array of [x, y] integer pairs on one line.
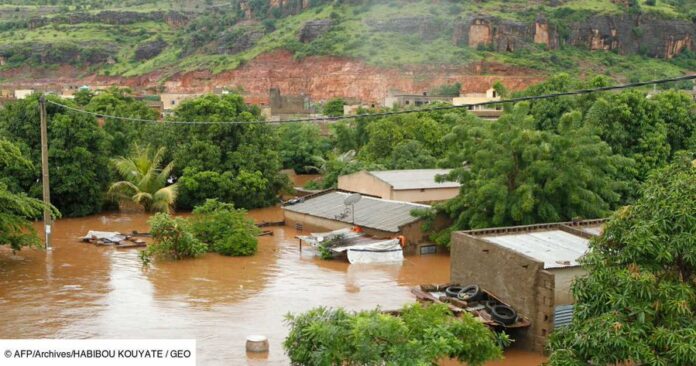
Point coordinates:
[[173, 102]]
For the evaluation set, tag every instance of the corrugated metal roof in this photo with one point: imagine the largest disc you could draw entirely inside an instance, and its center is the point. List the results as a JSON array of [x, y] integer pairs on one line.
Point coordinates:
[[370, 212], [556, 248], [413, 178]]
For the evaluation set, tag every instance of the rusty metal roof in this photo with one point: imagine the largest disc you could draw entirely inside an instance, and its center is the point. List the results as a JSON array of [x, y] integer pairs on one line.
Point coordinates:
[[370, 212]]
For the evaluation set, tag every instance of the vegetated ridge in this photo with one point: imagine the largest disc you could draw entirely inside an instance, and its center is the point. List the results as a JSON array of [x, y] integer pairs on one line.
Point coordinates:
[[359, 49]]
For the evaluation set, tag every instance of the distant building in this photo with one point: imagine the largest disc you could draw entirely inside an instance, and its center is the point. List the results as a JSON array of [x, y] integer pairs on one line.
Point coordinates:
[[352, 109], [378, 218], [531, 268], [288, 104], [412, 100], [172, 100], [482, 111], [23, 93], [412, 185], [473, 98]]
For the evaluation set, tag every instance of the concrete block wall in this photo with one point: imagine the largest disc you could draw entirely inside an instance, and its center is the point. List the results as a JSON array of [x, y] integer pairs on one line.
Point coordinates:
[[516, 279]]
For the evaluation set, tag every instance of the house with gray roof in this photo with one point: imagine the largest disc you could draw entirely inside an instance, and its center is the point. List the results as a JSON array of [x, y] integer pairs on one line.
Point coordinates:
[[379, 218], [529, 267], [409, 185]]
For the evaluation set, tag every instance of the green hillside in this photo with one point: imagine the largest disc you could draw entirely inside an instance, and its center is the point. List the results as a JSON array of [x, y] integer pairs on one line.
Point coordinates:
[[135, 37]]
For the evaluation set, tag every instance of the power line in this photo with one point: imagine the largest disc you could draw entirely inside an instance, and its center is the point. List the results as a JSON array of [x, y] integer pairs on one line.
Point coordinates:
[[392, 113]]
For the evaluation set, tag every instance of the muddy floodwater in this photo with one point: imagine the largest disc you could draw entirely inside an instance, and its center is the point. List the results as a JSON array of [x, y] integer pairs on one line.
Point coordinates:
[[79, 290]]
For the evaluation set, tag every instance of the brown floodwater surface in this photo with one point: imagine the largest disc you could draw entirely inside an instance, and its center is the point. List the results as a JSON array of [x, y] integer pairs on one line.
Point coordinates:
[[79, 290]]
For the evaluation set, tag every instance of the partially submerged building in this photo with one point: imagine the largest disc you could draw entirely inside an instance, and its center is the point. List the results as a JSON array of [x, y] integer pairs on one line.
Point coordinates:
[[531, 268], [410, 185], [382, 219]]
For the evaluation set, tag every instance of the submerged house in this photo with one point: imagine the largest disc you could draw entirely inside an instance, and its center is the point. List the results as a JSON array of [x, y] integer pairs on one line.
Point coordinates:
[[531, 268], [411, 185], [378, 218]]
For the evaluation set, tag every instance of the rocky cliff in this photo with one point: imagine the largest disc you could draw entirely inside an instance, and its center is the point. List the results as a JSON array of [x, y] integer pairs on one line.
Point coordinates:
[[319, 77], [625, 34]]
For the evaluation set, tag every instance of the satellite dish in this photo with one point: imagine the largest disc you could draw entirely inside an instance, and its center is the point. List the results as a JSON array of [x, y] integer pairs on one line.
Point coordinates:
[[352, 199]]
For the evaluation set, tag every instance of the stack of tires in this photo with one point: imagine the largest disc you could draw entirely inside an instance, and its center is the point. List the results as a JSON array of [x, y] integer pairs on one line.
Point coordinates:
[[473, 296]]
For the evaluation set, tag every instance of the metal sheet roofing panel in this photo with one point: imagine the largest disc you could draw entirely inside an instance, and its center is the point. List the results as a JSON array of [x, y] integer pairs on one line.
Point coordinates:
[[370, 212], [413, 178], [556, 248]]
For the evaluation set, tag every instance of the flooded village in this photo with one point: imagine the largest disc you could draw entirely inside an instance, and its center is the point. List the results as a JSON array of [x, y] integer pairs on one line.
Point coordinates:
[[347, 183]]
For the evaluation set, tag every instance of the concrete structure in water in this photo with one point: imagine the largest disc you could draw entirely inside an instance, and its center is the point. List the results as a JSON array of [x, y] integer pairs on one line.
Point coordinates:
[[381, 219], [530, 268], [411, 185]]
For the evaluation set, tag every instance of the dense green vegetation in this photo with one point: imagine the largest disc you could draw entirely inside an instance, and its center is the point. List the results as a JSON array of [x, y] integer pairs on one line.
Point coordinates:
[[637, 303], [78, 155], [145, 182], [217, 35], [421, 335], [516, 174], [213, 227], [16, 208], [226, 230]]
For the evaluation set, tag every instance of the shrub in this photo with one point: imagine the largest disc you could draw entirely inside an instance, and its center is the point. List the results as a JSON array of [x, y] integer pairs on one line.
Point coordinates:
[[422, 335], [224, 229], [173, 239]]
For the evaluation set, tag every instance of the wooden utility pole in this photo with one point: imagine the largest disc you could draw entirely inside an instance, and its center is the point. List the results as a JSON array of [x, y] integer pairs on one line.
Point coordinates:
[[48, 221]]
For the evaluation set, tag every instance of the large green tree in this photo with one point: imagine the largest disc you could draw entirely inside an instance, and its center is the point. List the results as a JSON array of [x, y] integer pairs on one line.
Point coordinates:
[[637, 305], [245, 152], [16, 208], [632, 125], [299, 144], [77, 155], [512, 173], [678, 111], [120, 102]]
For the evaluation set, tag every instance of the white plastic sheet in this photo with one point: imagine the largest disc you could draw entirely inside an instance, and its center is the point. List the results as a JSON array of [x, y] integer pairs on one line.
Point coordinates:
[[105, 236]]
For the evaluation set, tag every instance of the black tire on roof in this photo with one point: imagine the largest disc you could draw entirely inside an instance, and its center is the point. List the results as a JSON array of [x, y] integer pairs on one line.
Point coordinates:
[[504, 314], [470, 293], [453, 291]]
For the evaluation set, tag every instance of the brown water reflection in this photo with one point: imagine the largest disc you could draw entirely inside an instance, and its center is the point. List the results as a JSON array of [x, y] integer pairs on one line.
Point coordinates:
[[78, 290]]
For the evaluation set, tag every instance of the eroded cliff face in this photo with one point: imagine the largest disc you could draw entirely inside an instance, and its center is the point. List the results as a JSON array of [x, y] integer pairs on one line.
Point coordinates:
[[630, 34], [625, 34], [320, 77], [172, 18]]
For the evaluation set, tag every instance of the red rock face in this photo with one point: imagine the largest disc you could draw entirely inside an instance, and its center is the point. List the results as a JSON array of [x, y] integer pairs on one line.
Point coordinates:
[[321, 78]]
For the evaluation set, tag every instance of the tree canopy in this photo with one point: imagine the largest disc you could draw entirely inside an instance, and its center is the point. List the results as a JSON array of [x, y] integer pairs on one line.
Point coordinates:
[[77, 155], [421, 335], [637, 303], [513, 174], [16, 208]]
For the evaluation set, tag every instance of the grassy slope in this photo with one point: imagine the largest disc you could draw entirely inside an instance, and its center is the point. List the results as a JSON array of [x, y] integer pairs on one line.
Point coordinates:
[[351, 38]]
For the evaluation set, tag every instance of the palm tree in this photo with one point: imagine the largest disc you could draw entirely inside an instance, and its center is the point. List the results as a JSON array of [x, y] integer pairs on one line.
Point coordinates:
[[144, 182]]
